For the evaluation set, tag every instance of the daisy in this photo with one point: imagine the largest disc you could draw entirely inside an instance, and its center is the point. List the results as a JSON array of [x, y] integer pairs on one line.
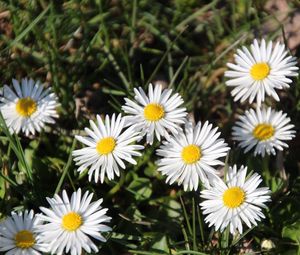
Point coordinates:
[[18, 235], [69, 224], [27, 107], [260, 70], [157, 113], [108, 145], [265, 130], [193, 155], [234, 201]]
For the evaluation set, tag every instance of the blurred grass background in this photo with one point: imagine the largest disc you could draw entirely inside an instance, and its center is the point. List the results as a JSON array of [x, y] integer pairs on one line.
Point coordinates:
[[93, 53]]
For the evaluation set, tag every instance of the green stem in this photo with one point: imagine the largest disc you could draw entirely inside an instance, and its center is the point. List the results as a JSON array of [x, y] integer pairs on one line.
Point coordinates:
[[118, 186], [185, 215], [185, 236], [200, 220], [194, 226]]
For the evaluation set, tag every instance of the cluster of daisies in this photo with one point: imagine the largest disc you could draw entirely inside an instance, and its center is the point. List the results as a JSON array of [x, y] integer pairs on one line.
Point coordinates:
[[258, 72], [189, 155], [62, 228]]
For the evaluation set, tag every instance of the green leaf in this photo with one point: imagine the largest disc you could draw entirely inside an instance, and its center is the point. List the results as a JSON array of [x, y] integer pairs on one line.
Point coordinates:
[[290, 252], [28, 153], [292, 232], [277, 184], [141, 187], [174, 209], [125, 236], [161, 244]]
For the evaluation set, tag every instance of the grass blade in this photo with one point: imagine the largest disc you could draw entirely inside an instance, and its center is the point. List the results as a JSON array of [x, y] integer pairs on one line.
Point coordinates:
[[163, 58], [185, 215], [16, 147], [28, 28], [66, 168], [195, 15]]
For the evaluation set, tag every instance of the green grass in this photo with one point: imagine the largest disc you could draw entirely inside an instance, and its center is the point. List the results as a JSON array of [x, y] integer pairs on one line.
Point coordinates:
[[93, 53]]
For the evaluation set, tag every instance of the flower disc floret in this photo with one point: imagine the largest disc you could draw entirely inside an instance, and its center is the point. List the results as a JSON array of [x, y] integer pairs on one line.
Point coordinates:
[[260, 71], [233, 197], [191, 154], [263, 132], [26, 106], [71, 221], [24, 239], [106, 145], [154, 112]]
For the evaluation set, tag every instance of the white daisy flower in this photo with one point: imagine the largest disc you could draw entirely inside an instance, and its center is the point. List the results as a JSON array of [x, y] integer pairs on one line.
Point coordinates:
[[193, 155], [69, 224], [235, 201], [260, 70], [18, 235], [158, 113], [108, 145], [265, 130], [28, 107]]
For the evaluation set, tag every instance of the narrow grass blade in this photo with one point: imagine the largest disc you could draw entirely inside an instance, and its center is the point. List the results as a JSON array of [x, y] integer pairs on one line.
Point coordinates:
[[236, 241], [194, 226], [200, 221], [178, 71], [147, 252], [66, 168], [195, 15], [191, 252], [16, 147], [163, 58], [186, 216], [10, 181], [29, 27]]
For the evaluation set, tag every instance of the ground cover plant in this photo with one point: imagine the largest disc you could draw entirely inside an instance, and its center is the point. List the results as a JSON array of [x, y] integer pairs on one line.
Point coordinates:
[[149, 127]]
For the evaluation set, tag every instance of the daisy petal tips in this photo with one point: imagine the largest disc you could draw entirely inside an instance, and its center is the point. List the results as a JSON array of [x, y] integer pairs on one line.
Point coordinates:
[[69, 224], [235, 201], [18, 235], [264, 130], [260, 71], [28, 106], [107, 146], [192, 155], [155, 114]]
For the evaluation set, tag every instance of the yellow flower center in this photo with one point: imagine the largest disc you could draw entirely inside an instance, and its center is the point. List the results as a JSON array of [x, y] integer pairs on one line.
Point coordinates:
[[154, 112], [26, 106], [191, 154], [71, 221], [263, 132], [260, 71], [233, 197], [106, 145], [24, 239]]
